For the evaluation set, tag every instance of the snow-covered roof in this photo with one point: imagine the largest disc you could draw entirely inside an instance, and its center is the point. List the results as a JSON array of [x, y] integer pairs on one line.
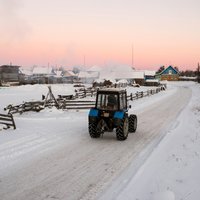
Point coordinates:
[[85, 74], [188, 77], [58, 73], [42, 70], [132, 74], [122, 81], [138, 74], [27, 72], [69, 73], [94, 68], [149, 72]]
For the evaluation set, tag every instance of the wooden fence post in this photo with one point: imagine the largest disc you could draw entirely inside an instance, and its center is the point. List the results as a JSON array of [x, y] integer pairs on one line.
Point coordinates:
[[131, 95]]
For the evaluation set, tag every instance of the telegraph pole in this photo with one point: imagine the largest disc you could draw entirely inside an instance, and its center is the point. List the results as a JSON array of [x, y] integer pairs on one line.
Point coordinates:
[[198, 73]]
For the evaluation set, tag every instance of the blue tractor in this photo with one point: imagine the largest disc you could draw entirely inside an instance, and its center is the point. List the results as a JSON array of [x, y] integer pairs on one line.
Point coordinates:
[[111, 112]]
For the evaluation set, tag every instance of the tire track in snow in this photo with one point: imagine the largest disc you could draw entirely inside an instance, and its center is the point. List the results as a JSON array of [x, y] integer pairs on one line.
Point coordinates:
[[84, 169]]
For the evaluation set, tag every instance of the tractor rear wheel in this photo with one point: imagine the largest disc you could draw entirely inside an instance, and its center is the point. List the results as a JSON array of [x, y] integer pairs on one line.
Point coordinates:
[[93, 130], [132, 126], [122, 129]]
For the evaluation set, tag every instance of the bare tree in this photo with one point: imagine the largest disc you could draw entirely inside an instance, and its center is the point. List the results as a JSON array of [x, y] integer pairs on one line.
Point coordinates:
[[160, 69]]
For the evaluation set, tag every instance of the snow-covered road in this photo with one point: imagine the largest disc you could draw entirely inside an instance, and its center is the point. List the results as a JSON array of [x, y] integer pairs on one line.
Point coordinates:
[[51, 156]]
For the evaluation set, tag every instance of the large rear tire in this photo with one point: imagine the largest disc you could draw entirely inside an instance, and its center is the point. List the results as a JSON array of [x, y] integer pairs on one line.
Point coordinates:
[[93, 130], [122, 129], [132, 123]]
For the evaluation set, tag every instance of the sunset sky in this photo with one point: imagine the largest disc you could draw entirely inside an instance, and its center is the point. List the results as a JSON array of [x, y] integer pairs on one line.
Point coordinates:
[[100, 32]]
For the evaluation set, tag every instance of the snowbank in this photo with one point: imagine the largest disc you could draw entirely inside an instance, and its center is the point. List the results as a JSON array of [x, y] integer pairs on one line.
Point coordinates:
[[172, 170]]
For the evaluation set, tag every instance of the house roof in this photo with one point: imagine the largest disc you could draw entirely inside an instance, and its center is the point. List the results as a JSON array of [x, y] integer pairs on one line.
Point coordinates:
[[58, 74], [85, 74], [94, 68], [69, 73], [42, 70], [27, 72], [121, 74], [149, 72], [169, 68], [122, 81]]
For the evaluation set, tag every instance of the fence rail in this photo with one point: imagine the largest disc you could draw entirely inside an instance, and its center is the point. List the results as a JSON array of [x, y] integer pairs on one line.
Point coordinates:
[[70, 101], [142, 94], [7, 120]]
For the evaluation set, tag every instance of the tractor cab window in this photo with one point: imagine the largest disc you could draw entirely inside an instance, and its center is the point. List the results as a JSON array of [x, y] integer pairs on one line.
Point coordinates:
[[107, 101], [122, 101]]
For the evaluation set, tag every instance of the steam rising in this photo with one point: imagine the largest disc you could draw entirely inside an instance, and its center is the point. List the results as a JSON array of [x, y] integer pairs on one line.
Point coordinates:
[[13, 28]]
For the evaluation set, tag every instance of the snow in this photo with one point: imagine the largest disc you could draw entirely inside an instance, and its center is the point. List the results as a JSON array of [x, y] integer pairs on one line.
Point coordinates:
[[123, 74], [50, 155], [149, 72], [42, 70], [172, 170], [85, 74]]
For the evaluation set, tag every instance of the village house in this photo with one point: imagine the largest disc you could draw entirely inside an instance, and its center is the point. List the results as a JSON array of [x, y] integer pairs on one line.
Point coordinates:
[[25, 75], [9, 73], [120, 74], [169, 74], [87, 77], [69, 77], [43, 74]]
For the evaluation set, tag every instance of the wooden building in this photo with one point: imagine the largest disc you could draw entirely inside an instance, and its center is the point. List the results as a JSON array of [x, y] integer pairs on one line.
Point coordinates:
[[169, 74], [9, 73]]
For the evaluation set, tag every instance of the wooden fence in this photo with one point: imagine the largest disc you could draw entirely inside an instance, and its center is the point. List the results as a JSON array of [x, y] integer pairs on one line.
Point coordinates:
[[83, 93], [69, 101], [142, 94], [7, 120]]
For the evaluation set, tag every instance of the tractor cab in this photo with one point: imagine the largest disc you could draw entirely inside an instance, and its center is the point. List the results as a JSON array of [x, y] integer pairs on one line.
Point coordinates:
[[111, 99], [110, 112]]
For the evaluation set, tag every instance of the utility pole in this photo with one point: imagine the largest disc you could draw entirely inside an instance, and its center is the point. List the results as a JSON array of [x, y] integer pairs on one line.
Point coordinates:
[[198, 73]]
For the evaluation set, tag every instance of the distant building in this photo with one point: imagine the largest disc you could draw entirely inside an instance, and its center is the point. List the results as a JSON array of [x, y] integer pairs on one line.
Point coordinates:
[[169, 74], [149, 74], [43, 74], [9, 73], [123, 73], [69, 77], [87, 77]]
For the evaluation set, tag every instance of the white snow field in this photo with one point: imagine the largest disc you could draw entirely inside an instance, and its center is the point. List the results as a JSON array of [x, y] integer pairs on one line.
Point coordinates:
[[51, 155]]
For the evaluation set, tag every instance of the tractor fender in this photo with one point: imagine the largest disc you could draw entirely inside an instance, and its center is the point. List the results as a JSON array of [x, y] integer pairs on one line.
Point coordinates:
[[93, 112], [119, 115]]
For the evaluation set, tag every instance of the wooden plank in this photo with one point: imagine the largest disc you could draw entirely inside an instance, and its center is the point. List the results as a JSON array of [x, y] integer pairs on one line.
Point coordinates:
[[5, 119]]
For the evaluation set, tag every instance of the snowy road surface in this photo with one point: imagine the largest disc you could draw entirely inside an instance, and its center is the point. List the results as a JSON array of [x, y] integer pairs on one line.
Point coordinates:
[[51, 156]]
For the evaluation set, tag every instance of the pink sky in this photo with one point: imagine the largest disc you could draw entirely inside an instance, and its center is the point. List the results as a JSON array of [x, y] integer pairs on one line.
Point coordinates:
[[69, 32]]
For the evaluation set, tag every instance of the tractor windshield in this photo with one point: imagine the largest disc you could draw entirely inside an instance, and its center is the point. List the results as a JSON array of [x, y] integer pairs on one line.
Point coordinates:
[[107, 101]]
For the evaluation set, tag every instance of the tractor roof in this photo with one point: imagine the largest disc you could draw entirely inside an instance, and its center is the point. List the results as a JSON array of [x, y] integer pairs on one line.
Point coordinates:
[[111, 90]]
